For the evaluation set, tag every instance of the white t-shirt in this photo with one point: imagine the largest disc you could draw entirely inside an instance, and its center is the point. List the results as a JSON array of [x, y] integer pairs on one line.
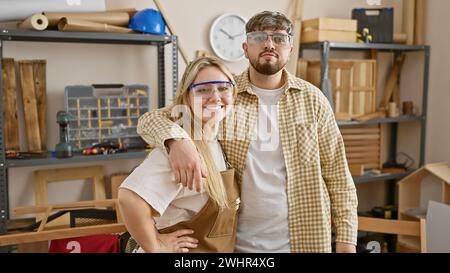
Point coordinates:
[[154, 181], [263, 219]]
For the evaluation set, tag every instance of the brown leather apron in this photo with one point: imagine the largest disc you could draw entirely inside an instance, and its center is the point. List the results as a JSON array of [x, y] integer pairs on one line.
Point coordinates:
[[215, 228]]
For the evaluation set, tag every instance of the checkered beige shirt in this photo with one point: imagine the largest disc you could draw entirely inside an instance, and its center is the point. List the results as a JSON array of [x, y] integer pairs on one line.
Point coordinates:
[[319, 184]]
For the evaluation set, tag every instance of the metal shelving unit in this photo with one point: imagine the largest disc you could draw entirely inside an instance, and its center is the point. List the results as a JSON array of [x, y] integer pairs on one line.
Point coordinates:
[[325, 49], [77, 37]]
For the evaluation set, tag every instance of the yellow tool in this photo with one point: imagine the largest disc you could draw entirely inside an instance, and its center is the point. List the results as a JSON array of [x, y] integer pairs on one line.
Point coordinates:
[[365, 37]]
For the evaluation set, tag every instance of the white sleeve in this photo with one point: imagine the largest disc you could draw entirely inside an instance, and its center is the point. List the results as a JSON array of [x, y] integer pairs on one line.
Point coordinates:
[[153, 180]]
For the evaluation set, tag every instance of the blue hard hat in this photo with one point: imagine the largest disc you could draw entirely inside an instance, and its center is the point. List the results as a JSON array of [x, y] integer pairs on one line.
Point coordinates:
[[148, 21]]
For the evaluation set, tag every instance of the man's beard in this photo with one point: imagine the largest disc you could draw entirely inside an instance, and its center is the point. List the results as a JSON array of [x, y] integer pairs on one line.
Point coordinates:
[[267, 68]]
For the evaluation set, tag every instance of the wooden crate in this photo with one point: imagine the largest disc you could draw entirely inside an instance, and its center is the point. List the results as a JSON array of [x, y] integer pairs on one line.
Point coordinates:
[[329, 29], [353, 84], [364, 145]]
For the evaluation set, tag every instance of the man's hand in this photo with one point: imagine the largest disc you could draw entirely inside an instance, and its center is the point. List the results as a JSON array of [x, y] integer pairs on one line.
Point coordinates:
[[345, 248], [176, 241], [186, 164]]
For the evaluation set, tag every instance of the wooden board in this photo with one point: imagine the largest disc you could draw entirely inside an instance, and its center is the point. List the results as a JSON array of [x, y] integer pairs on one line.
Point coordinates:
[[314, 36], [419, 27], [331, 24], [363, 145], [40, 86], [408, 20], [10, 105], [30, 106], [29, 237]]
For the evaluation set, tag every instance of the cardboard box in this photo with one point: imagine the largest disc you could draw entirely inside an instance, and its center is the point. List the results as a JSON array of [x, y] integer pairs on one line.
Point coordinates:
[[329, 29]]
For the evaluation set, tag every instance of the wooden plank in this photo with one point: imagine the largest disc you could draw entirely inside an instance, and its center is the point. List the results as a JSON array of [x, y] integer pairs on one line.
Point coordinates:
[[297, 31], [331, 24], [314, 36], [65, 206], [40, 87], [35, 247], [392, 81], [356, 155], [46, 235], [10, 105], [423, 236], [30, 104], [362, 149], [45, 218], [361, 137], [348, 131], [419, 29], [410, 228], [408, 20]]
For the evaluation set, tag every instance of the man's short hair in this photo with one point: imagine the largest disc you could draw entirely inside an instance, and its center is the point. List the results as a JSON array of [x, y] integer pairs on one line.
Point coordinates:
[[269, 20]]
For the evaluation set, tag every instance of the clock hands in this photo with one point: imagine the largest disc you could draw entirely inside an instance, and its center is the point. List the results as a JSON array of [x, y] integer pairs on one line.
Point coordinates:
[[237, 35], [226, 33]]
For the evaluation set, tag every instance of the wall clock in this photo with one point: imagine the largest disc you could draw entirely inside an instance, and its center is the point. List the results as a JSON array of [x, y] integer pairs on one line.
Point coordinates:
[[226, 36]]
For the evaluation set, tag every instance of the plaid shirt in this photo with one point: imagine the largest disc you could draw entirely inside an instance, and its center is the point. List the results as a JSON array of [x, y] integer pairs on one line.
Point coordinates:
[[319, 184]]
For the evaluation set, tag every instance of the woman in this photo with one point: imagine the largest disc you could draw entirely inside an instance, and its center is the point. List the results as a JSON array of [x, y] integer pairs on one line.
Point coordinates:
[[159, 212]]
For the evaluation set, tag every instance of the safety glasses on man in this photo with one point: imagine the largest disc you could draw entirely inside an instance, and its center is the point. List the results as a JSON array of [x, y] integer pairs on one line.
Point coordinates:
[[207, 89], [260, 37]]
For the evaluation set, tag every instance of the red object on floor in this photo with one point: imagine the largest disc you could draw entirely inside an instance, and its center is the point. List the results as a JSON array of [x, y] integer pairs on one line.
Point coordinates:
[[108, 243]]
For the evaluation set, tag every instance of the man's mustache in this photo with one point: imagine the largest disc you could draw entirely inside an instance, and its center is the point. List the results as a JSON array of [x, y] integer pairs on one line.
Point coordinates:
[[269, 51]]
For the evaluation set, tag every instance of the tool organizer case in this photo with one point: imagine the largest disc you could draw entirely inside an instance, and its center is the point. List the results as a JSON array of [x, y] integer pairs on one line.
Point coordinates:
[[105, 113]]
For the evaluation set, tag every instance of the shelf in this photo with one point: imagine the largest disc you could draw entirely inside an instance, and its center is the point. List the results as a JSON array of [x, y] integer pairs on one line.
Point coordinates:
[[77, 158], [357, 46], [82, 37], [399, 119], [370, 177]]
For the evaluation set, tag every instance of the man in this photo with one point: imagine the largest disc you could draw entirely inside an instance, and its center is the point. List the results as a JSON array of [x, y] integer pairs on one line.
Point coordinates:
[[294, 177]]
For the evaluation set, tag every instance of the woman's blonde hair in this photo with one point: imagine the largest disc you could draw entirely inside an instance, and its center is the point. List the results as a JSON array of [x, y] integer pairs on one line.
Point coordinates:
[[214, 183]]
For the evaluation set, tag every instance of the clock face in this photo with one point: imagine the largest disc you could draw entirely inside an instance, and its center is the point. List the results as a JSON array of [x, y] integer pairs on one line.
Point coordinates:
[[227, 35]]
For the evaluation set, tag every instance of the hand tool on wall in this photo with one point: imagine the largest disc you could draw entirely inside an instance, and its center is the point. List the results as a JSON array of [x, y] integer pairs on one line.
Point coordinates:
[[171, 29], [63, 148]]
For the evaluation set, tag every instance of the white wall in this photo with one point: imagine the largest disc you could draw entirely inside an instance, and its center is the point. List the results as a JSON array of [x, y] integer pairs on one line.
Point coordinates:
[[87, 64]]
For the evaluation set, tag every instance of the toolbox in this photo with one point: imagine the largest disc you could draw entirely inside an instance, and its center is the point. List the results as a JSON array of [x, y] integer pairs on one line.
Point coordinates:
[[105, 113], [379, 22]]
